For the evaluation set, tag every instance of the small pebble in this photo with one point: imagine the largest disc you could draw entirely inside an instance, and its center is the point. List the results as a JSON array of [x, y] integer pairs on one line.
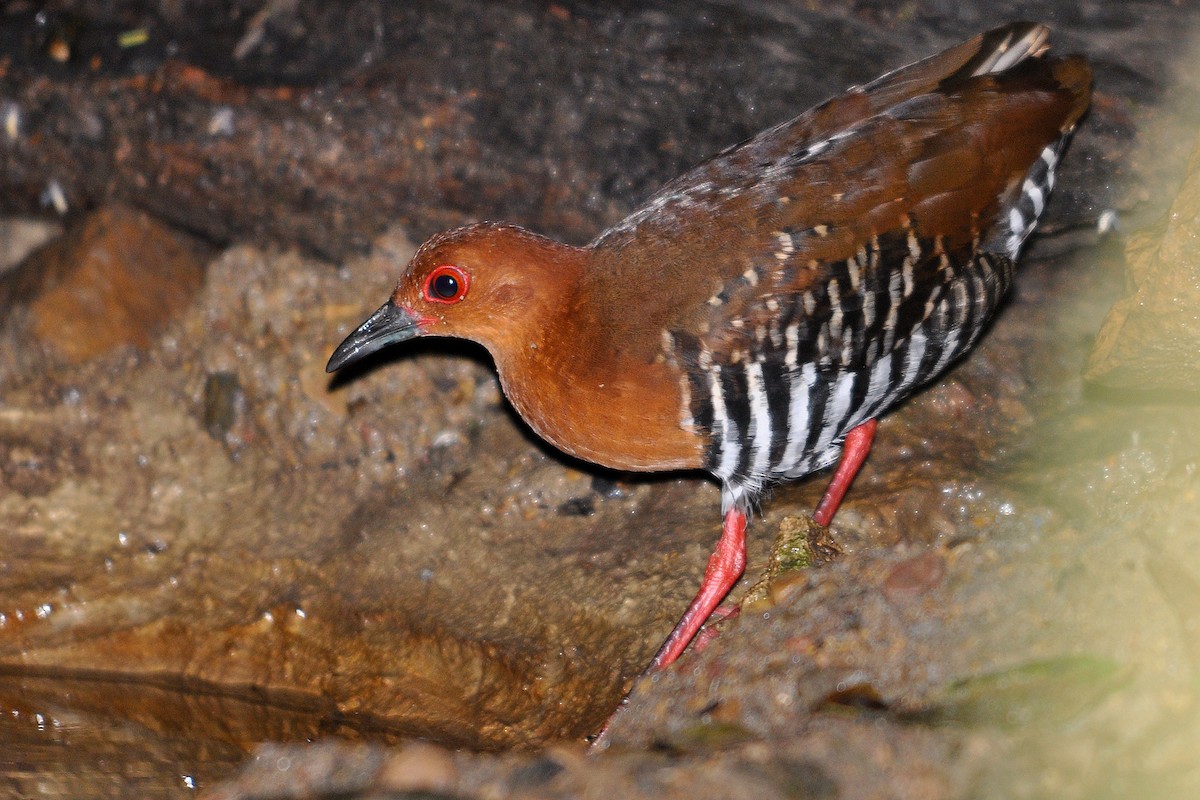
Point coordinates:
[[915, 576], [419, 767]]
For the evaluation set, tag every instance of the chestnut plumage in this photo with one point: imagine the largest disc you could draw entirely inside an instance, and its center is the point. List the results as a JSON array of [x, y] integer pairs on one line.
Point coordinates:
[[759, 313]]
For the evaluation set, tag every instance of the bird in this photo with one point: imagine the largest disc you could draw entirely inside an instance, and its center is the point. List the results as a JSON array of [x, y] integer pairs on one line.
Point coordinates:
[[757, 315]]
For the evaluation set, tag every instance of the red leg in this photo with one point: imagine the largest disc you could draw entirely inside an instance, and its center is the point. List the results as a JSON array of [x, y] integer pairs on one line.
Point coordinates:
[[854, 453], [724, 568]]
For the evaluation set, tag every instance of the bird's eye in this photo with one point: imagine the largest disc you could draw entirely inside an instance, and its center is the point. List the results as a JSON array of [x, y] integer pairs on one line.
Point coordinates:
[[446, 284]]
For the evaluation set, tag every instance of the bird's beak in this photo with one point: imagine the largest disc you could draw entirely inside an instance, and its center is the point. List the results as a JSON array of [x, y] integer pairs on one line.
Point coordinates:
[[387, 326]]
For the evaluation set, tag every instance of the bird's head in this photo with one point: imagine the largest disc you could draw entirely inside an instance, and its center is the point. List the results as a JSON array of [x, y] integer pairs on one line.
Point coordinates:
[[495, 284]]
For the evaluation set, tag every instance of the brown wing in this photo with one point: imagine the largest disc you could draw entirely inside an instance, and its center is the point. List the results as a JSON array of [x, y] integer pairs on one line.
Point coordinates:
[[811, 277], [915, 191], [933, 149]]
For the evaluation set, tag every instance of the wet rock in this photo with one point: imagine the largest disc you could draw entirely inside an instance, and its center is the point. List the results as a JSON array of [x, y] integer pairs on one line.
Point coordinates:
[[391, 561], [608, 488], [117, 277], [19, 237], [578, 507], [795, 770], [32, 465], [225, 410], [1151, 338], [535, 774], [418, 767], [323, 770], [916, 576], [800, 543], [805, 778]]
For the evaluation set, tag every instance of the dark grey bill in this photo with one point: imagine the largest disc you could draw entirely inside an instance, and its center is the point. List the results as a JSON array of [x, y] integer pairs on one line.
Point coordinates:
[[387, 326]]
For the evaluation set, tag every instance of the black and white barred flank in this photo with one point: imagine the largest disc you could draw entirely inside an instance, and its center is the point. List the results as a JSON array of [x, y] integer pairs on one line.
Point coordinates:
[[782, 410], [851, 347]]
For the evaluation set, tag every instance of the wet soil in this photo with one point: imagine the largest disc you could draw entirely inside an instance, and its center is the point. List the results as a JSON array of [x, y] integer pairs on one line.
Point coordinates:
[[207, 544]]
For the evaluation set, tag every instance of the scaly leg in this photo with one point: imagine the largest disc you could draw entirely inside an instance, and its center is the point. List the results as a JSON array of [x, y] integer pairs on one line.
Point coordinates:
[[854, 453], [729, 559], [725, 566]]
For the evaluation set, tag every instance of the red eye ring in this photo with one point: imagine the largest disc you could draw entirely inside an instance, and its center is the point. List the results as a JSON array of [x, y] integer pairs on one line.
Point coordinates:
[[446, 284]]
